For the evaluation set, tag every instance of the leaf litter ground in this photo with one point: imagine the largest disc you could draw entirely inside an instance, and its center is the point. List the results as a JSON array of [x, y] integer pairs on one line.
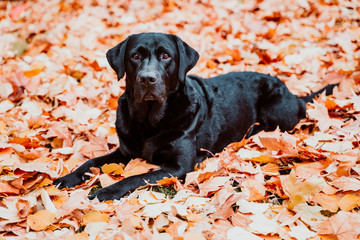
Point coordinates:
[[58, 98]]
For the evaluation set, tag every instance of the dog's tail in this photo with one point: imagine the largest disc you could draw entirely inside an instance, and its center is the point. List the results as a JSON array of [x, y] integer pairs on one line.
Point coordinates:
[[329, 89]]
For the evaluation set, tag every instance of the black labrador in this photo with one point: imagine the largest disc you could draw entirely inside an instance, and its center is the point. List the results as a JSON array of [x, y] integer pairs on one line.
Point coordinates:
[[166, 116]]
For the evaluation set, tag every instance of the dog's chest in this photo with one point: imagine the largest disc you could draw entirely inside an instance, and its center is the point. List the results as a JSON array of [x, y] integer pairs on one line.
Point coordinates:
[[148, 149]]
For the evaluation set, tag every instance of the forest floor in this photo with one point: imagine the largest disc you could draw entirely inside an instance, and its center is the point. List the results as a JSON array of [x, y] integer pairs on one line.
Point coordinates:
[[58, 98]]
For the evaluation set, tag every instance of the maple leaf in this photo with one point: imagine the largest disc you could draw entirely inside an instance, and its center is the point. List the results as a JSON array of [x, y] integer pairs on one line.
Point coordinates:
[[321, 115], [343, 225]]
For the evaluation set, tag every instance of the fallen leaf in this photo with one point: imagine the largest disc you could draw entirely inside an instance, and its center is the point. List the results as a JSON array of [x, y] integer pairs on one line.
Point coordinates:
[[137, 166], [278, 141], [17, 11], [301, 232], [112, 168], [320, 114], [7, 189], [193, 236], [347, 183], [254, 189], [40, 220], [301, 191], [328, 202], [168, 181], [94, 216], [343, 225], [349, 202], [240, 233]]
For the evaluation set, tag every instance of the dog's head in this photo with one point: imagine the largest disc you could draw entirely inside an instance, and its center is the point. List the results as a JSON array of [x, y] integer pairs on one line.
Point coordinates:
[[155, 64]]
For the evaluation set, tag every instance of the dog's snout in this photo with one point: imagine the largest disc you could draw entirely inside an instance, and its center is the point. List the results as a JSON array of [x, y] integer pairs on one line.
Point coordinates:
[[147, 80]]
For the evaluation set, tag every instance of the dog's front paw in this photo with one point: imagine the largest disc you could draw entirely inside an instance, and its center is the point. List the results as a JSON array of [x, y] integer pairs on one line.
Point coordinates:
[[107, 194], [69, 181]]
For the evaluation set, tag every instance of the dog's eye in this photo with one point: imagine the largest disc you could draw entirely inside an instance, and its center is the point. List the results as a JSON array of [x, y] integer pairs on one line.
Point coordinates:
[[135, 56], [165, 56]]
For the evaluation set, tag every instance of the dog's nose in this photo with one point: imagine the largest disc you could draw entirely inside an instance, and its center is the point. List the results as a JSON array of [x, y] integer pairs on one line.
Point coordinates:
[[147, 80]]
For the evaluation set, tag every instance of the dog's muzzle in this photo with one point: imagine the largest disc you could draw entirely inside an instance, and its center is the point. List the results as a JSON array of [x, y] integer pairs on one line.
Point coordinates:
[[149, 87]]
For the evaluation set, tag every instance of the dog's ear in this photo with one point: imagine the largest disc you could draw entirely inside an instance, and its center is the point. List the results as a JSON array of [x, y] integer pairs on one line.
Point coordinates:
[[188, 57], [116, 56]]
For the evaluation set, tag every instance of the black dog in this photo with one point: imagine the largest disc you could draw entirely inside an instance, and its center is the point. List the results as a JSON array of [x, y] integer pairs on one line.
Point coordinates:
[[166, 117]]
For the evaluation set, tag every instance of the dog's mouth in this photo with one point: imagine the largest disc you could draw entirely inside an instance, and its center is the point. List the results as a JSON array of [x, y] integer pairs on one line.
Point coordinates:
[[149, 96]]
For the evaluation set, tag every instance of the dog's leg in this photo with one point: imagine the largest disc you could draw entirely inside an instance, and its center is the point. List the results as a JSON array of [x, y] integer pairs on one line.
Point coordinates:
[[78, 176], [119, 189], [177, 163]]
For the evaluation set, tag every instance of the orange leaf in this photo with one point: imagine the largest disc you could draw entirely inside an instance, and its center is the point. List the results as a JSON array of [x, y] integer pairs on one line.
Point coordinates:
[[343, 225], [112, 168], [255, 189], [349, 201], [328, 202], [168, 181], [106, 180], [138, 166], [7, 189], [261, 159], [193, 217], [330, 104], [17, 11], [211, 64], [276, 140], [32, 72], [40, 220], [95, 216], [347, 183], [176, 229]]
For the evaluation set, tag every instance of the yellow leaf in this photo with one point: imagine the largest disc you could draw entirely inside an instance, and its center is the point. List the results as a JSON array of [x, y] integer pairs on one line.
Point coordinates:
[[40, 220], [112, 168], [349, 201], [95, 216]]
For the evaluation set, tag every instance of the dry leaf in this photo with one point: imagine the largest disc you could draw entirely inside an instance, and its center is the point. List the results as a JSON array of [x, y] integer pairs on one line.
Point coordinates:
[[112, 168], [40, 220], [343, 225], [349, 202], [328, 202], [94, 216]]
